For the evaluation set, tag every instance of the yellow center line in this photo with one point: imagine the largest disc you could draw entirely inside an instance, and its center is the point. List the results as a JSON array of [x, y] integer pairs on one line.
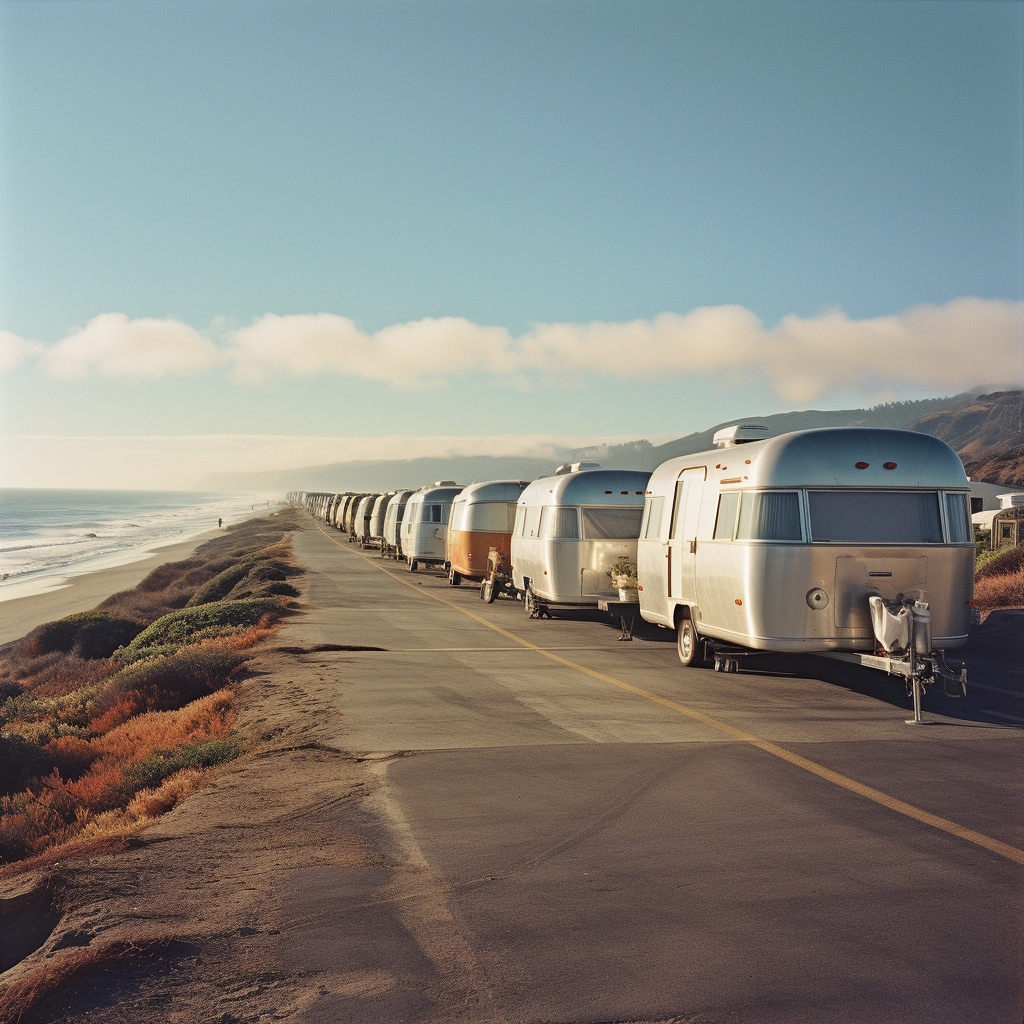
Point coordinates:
[[837, 779]]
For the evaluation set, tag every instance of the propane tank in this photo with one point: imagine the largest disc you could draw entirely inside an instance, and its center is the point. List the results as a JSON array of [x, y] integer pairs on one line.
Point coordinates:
[[922, 628]]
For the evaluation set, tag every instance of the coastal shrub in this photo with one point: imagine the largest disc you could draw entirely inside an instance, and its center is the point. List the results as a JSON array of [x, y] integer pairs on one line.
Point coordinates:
[[1003, 591], [164, 684], [70, 756], [1001, 563], [66, 674], [20, 761], [149, 772], [89, 635], [209, 718], [202, 621]]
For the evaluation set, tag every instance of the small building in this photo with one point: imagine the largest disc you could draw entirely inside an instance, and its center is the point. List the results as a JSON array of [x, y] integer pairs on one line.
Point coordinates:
[[1002, 527]]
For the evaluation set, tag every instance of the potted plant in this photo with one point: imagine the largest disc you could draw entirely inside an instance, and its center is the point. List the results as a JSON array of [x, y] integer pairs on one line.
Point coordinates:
[[624, 579]]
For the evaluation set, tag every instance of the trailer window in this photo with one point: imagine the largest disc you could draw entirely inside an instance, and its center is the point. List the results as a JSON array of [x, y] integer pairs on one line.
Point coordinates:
[[489, 517], [616, 522], [958, 519], [769, 515], [653, 511], [875, 517], [725, 520], [532, 521], [520, 520], [432, 513], [558, 523], [458, 516]]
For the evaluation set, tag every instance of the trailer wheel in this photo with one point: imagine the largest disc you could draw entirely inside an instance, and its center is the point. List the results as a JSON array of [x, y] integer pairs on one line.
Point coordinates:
[[689, 645], [454, 578], [488, 591], [412, 565]]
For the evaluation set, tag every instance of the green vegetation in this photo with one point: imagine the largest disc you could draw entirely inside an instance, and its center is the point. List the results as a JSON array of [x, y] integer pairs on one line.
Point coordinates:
[[159, 765], [191, 625], [110, 717]]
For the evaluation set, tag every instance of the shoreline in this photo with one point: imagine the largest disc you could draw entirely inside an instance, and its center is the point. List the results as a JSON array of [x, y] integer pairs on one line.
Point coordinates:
[[81, 590]]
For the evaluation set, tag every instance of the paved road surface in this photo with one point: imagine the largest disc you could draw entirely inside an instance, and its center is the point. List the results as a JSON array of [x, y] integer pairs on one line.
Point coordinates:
[[589, 832]]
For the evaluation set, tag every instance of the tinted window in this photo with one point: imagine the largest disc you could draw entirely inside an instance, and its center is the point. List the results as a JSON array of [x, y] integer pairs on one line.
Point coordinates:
[[489, 517], [875, 517], [612, 522], [769, 515]]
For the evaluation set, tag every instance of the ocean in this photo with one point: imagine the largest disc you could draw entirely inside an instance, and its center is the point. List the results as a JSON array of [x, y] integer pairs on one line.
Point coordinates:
[[48, 535]]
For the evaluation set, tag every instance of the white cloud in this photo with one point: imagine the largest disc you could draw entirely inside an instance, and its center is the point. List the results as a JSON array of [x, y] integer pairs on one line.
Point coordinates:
[[14, 351], [111, 345], [802, 359], [421, 353]]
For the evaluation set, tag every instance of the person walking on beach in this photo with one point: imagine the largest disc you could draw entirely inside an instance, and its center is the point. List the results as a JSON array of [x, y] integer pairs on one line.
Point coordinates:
[[219, 521]]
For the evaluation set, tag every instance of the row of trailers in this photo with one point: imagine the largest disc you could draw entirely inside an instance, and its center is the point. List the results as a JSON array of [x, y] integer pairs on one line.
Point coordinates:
[[852, 543]]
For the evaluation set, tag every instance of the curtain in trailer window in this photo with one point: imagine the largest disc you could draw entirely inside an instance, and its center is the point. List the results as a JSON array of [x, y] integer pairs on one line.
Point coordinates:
[[612, 522], [490, 517], [958, 519], [559, 523], [769, 515], [875, 517]]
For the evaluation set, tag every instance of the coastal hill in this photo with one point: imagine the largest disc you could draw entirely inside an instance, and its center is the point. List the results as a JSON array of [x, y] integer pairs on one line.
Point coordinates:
[[988, 434], [988, 431]]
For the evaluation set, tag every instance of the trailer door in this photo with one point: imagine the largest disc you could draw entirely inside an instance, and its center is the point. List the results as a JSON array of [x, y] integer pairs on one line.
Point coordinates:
[[682, 538]]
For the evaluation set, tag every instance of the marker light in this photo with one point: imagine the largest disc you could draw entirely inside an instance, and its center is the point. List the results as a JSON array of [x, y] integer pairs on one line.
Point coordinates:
[[863, 465], [889, 465]]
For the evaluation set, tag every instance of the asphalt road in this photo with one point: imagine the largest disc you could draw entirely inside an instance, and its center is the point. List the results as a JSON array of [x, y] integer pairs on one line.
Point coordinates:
[[586, 831]]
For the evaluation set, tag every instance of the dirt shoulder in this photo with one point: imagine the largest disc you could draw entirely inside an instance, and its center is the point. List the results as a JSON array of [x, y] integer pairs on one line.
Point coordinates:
[[184, 925]]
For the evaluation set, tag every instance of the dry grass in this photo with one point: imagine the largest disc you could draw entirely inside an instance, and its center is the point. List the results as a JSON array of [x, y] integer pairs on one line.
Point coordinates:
[[83, 734], [29, 992]]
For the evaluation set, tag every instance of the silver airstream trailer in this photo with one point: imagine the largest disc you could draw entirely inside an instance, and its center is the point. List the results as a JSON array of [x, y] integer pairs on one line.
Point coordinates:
[[812, 541], [568, 531], [481, 525], [361, 523], [425, 523], [351, 513], [376, 525], [391, 544]]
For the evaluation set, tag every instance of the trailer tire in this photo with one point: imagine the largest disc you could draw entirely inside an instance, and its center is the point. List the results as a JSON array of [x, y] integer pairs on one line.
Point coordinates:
[[488, 592], [412, 565], [454, 578], [689, 645]]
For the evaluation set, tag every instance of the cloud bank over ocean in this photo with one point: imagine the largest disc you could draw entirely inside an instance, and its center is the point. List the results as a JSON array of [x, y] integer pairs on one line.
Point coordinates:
[[802, 359]]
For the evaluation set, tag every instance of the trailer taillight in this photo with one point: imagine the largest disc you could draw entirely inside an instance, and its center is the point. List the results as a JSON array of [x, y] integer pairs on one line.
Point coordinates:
[[863, 465], [889, 465]]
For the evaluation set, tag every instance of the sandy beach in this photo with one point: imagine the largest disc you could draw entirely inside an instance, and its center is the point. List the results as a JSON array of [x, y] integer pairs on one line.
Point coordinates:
[[81, 592]]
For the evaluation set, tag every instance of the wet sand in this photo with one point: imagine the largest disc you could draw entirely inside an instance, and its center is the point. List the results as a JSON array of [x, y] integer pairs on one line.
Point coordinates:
[[84, 591]]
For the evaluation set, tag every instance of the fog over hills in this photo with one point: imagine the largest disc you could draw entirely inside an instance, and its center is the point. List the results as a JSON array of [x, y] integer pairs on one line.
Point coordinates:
[[987, 429]]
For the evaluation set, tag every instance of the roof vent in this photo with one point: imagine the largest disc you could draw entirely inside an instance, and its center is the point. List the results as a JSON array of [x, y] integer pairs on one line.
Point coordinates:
[[740, 433], [445, 483], [576, 467]]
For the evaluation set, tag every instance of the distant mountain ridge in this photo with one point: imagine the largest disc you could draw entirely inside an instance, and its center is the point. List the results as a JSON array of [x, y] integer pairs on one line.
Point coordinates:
[[988, 431], [988, 434]]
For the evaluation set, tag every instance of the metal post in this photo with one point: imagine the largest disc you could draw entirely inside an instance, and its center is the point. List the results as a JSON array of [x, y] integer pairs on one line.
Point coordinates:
[[916, 688]]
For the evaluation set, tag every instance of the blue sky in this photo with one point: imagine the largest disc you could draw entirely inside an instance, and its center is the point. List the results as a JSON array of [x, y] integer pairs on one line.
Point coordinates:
[[824, 183]]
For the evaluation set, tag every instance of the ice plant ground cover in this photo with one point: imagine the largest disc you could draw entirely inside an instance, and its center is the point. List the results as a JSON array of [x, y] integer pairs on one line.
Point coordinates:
[[111, 717]]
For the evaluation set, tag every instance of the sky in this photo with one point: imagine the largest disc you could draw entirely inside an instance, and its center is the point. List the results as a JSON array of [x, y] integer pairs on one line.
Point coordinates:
[[290, 232]]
